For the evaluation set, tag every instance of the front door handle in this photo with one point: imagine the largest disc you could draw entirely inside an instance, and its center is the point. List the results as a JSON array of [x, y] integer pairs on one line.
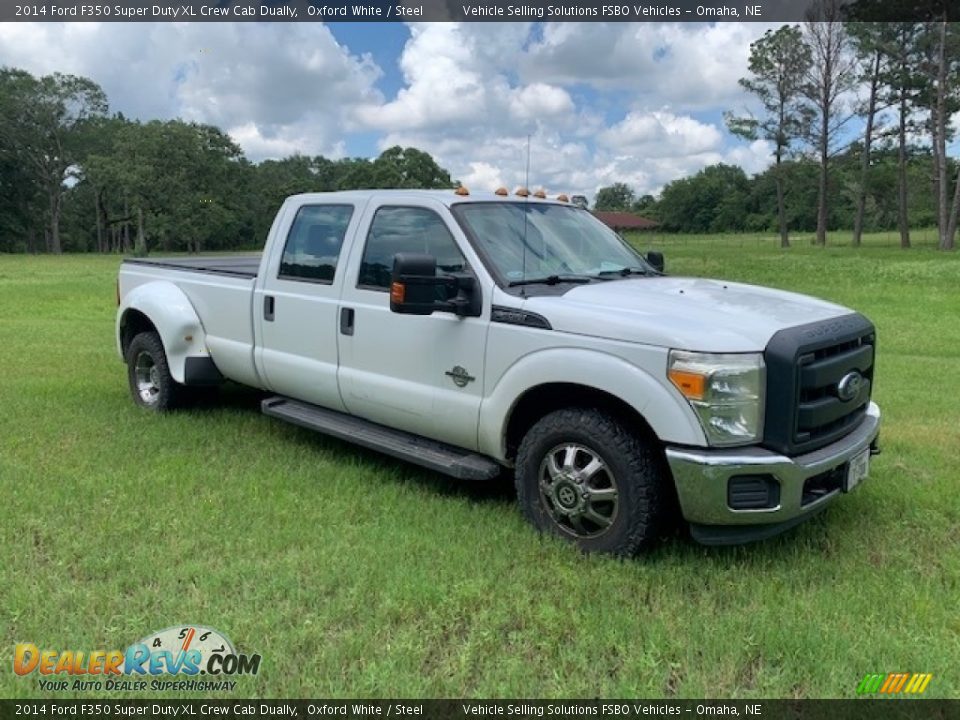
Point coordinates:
[[346, 321], [268, 307]]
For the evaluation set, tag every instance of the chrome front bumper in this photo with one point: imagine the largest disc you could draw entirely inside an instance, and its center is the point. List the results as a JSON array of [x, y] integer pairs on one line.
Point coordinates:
[[702, 477]]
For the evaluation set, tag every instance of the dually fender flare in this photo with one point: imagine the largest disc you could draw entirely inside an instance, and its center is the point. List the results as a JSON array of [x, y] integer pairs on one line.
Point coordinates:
[[176, 321]]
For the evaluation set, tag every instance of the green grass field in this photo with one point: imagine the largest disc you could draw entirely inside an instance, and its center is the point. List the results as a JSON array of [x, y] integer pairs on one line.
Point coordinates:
[[353, 575]]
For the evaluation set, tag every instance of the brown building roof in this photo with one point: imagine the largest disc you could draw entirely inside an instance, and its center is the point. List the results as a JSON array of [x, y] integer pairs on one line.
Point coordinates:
[[624, 220]]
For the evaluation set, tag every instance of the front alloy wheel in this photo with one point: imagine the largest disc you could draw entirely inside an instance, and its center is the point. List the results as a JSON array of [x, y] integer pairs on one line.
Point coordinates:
[[578, 490], [592, 478]]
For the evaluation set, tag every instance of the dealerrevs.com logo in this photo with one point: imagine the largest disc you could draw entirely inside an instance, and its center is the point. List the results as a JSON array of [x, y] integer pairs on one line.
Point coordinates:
[[183, 652]]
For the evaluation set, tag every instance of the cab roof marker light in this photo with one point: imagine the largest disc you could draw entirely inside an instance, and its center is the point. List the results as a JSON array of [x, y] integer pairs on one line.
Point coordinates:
[[462, 190], [522, 192], [541, 194], [501, 191]]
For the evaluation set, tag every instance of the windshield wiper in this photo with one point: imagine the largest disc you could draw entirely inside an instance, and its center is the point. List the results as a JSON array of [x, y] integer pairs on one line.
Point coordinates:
[[625, 272], [553, 280]]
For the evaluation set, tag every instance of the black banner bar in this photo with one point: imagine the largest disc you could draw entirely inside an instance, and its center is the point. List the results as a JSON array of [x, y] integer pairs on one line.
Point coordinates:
[[468, 10], [886, 709]]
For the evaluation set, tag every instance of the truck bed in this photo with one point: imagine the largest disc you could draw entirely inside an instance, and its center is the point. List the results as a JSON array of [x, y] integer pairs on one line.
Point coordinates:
[[245, 266]]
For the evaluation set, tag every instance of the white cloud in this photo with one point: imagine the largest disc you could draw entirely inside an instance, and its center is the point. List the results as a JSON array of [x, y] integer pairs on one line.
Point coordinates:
[[474, 92], [276, 85], [488, 162], [540, 102], [457, 79], [483, 175], [285, 141], [600, 103], [660, 134], [461, 102], [686, 65], [443, 85], [753, 158]]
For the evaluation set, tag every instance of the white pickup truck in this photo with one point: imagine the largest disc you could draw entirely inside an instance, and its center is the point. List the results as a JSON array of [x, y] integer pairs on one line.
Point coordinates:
[[470, 333]]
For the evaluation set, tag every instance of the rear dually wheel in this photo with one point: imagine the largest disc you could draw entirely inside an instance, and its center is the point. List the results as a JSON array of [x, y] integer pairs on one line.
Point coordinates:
[[151, 384]]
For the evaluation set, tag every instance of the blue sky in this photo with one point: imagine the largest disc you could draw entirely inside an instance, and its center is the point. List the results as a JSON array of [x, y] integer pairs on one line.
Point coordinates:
[[640, 103], [384, 41]]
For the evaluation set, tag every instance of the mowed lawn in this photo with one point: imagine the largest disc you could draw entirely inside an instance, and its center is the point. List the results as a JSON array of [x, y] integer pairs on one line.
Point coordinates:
[[354, 575]]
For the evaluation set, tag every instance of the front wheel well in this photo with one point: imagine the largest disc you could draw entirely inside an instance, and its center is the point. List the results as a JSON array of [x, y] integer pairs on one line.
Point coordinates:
[[539, 401], [133, 323]]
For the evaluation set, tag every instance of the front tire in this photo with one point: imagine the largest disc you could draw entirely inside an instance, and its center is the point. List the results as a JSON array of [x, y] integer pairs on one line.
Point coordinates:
[[582, 475], [151, 384]]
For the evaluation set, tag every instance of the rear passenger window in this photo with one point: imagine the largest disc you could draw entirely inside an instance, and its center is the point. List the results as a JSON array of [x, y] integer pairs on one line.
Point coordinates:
[[411, 230], [313, 245]]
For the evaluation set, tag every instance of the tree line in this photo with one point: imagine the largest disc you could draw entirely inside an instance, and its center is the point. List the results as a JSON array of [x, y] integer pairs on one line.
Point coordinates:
[[901, 79], [74, 177]]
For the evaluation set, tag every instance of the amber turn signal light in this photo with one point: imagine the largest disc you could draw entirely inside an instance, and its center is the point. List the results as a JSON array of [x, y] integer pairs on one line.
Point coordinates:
[[692, 385], [398, 292]]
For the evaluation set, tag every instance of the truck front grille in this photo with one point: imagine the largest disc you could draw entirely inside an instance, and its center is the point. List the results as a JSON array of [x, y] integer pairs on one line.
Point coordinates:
[[819, 382]]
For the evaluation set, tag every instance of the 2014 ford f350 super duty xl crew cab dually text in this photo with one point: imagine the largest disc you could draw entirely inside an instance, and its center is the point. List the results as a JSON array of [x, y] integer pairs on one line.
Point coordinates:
[[471, 333]]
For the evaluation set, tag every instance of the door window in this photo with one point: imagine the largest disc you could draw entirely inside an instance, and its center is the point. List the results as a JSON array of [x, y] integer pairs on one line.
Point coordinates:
[[409, 230], [314, 242]]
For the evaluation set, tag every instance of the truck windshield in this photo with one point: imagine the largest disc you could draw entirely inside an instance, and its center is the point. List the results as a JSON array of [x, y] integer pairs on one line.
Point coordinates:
[[530, 242]]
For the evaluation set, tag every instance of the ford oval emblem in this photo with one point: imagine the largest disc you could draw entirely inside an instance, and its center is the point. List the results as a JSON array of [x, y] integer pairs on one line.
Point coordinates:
[[849, 386]]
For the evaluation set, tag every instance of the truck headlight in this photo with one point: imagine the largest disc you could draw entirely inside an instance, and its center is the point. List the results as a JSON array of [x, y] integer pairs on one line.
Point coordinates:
[[725, 390]]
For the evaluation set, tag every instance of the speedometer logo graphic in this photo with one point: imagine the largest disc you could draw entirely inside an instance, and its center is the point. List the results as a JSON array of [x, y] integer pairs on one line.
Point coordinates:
[[188, 650], [178, 639]]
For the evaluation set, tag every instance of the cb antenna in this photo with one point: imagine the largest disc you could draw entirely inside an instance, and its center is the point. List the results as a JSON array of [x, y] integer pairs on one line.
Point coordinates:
[[526, 179], [526, 186]]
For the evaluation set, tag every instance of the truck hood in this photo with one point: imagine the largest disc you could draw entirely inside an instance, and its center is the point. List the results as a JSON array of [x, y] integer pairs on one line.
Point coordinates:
[[677, 312]]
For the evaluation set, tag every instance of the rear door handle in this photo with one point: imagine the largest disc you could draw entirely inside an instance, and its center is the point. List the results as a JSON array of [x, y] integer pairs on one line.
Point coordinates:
[[268, 307], [346, 321]]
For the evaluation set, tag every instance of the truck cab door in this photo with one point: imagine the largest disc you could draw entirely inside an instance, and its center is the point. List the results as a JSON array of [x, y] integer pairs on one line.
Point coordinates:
[[295, 304], [423, 374]]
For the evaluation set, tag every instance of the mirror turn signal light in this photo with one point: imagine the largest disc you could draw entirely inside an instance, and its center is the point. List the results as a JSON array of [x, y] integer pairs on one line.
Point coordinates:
[[398, 292]]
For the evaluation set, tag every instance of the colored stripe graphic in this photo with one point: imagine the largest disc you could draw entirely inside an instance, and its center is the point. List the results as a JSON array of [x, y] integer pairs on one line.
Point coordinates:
[[894, 683], [870, 683], [887, 683]]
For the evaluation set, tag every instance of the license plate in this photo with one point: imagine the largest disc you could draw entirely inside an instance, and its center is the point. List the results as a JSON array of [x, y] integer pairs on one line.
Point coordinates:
[[857, 470]]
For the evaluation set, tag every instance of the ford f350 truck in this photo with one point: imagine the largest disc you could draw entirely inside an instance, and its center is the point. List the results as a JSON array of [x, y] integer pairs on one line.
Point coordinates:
[[472, 333]]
